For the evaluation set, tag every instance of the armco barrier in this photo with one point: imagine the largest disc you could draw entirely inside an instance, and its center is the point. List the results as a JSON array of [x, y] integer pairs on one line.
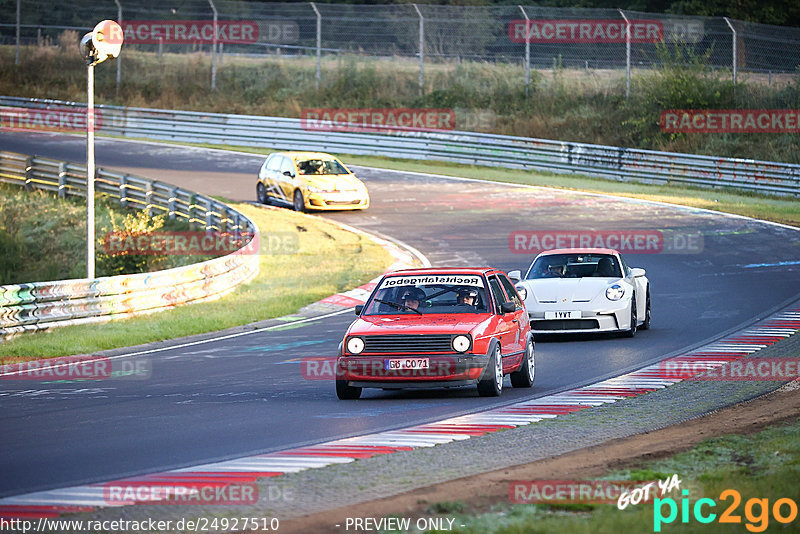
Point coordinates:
[[41, 305], [461, 147]]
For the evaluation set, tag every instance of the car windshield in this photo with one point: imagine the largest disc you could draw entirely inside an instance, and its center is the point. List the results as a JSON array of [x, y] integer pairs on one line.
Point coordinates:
[[320, 166], [574, 266], [426, 294]]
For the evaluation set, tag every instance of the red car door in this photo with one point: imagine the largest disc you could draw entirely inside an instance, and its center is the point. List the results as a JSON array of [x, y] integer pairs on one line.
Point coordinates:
[[508, 324]]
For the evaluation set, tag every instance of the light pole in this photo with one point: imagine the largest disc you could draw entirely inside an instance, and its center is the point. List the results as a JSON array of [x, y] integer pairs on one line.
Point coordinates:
[[103, 42]]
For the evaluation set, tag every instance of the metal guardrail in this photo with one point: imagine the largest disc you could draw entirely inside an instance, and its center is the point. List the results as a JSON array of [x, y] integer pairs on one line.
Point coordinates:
[[41, 305], [461, 147]]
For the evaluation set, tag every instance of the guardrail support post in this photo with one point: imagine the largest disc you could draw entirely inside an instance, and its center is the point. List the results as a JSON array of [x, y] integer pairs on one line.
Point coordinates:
[[123, 190], [319, 42], [28, 173], [62, 180], [527, 52], [173, 195], [734, 60], [148, 198], [421, 50], [627, 54], [209, 216]]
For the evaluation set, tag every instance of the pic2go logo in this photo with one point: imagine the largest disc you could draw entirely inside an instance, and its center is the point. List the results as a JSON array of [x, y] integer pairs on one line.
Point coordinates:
[[756, 511]]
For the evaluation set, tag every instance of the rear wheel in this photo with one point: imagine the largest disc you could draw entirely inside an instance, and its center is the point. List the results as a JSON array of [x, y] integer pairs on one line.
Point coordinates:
[[491, 385], [523, 377], [347, 392], [298, 202]]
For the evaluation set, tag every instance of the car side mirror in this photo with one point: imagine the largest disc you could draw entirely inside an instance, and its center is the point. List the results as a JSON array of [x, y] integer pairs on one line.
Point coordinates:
[[288, 173], [515, 276], [359, 308], [636, 272], [508, 307]]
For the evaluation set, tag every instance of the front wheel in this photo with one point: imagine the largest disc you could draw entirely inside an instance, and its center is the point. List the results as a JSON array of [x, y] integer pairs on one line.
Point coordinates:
[[491, 385], [646, 323], [634, 319], [261, 194], [347, 392], [523, 377], [298, 202]]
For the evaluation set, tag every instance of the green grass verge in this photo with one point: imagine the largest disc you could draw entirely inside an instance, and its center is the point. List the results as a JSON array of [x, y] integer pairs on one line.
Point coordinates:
[[765, 465], [327, 260]]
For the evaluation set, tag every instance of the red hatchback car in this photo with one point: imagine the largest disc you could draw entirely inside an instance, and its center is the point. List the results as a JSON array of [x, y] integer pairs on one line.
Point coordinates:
[[438, 327]]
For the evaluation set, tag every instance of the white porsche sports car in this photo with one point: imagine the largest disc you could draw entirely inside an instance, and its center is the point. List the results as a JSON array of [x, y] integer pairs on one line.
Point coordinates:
[[584, 290]]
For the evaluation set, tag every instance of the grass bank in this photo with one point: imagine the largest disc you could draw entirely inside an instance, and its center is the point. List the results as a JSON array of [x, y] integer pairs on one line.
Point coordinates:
[[325, 260], [760, 466], [43, 237], [582, 105]]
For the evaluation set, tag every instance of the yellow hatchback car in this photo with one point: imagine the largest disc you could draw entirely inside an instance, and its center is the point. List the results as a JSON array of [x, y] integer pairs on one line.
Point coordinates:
[[310, 181]]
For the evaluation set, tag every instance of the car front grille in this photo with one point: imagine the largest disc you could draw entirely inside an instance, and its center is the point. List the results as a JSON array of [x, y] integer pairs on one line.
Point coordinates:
[[408, 343], [566, 324], [342, 202]]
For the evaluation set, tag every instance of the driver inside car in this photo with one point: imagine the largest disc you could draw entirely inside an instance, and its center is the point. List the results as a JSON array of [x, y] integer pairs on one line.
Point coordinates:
[[467, 296], [555, 271], [412, 297], [312, 167]]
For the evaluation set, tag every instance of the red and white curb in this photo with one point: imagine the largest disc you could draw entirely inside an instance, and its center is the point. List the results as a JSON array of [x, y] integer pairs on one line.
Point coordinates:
[[246, 470]]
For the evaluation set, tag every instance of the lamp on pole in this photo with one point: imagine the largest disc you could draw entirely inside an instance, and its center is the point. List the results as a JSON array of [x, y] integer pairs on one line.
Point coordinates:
[[103, 42]]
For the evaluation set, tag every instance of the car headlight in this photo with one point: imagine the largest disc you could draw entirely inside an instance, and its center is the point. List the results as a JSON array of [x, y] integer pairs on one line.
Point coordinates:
[[615, 292], [355, 345], [523, 293], [312, 189], [461, 343]]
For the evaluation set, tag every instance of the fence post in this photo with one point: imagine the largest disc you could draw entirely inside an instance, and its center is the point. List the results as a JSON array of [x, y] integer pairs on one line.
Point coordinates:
[[119, 59], [62, 180], [627, 54], [733, 61], [527, 52], [421, 47], [214, 49], [319, 41], [16, 52]]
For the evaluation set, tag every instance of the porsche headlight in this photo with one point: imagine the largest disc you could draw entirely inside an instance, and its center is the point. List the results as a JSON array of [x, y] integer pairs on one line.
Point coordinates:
[[615, 292], [461, 343], [523, 293], [355, 345]]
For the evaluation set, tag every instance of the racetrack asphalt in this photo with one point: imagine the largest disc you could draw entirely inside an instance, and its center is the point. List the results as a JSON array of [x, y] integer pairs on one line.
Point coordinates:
[[230, 398]]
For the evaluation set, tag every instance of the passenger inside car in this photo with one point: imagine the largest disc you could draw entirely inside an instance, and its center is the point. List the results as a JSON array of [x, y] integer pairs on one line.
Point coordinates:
[[606, 268], [312, 166]]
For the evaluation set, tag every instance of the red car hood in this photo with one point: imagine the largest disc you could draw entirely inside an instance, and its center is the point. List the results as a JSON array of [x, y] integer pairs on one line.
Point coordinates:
[[451, 323]]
